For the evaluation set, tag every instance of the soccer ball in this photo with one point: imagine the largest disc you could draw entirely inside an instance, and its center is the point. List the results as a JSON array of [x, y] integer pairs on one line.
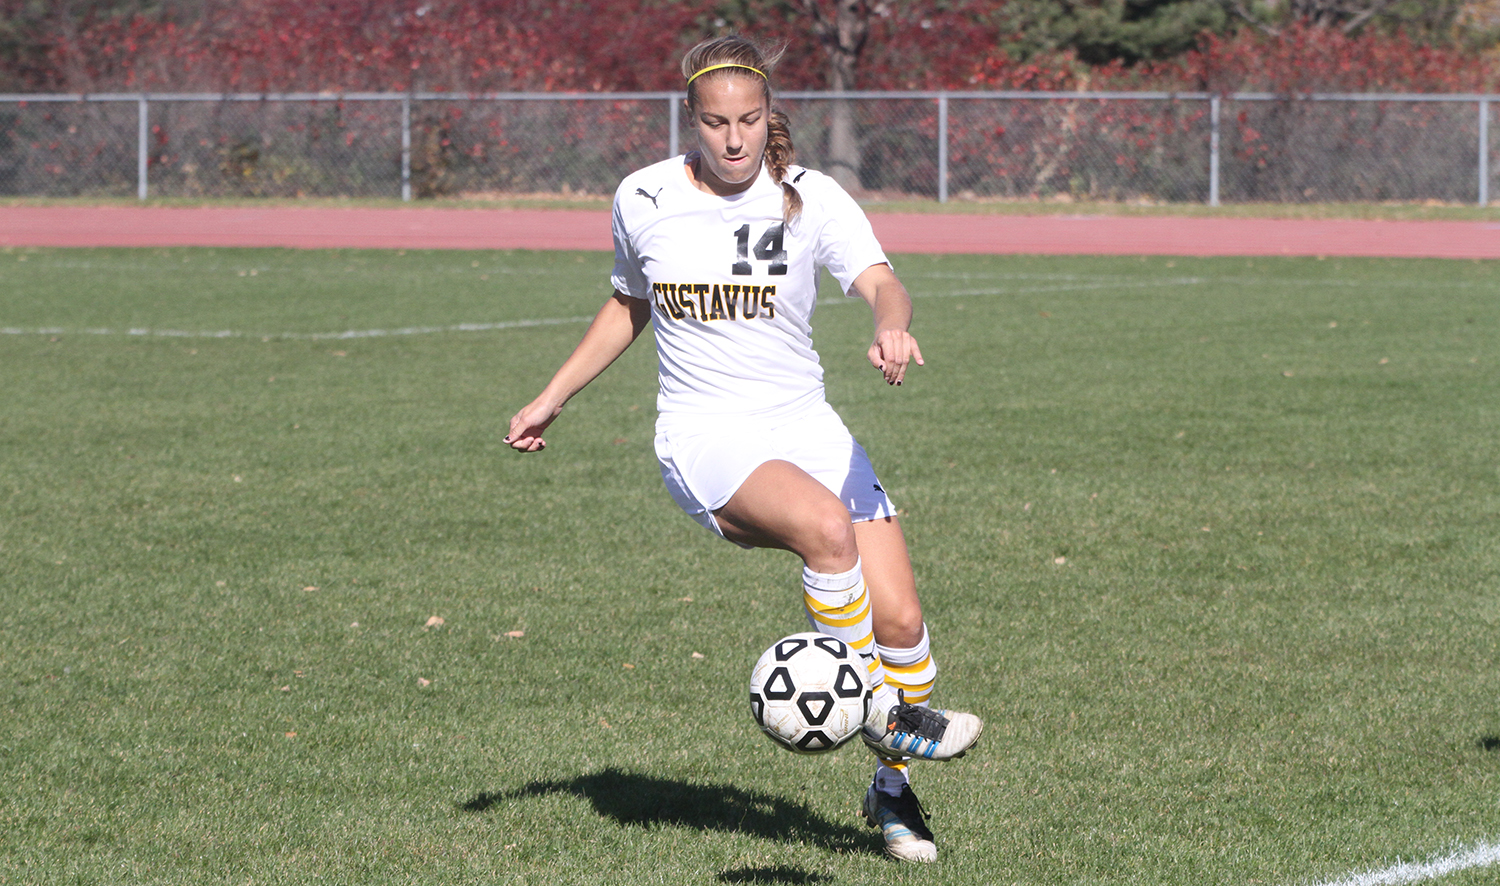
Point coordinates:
[[808, 693]]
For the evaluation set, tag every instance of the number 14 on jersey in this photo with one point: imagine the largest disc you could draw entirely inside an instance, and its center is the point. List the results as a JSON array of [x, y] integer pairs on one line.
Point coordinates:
[[769, 248]]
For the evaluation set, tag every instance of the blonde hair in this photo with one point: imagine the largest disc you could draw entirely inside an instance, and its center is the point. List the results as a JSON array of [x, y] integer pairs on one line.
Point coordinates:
[[733, 55]]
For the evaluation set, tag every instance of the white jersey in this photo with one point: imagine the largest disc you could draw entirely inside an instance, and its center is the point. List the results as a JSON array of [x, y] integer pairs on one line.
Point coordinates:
[[732, 288]]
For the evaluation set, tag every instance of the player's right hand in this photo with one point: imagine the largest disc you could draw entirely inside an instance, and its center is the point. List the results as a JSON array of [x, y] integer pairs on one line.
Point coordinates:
[[527, 425]]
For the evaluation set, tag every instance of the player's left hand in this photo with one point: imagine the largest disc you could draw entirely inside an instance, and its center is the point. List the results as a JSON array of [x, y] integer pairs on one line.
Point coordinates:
[[526, 426], [892, 352]]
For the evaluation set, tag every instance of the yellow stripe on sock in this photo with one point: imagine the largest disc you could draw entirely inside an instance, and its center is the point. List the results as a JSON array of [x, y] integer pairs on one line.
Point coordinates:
[[908, 678], [838, 618], [839, 622], [859, 605]]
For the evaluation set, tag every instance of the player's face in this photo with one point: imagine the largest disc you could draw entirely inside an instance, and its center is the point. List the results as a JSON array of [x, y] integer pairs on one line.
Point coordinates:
[[732, 118]]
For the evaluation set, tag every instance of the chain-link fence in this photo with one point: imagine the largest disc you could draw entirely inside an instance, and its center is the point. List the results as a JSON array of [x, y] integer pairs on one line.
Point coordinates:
[[1130, 146]]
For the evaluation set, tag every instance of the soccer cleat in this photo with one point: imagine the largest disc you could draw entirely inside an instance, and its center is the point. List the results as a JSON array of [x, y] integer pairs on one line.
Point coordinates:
[[900, 820], [909, 731]]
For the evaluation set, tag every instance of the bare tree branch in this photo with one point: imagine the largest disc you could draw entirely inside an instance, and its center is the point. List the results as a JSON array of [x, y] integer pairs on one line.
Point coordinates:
[[1238, 8], [1369, 12], [1347, 15]]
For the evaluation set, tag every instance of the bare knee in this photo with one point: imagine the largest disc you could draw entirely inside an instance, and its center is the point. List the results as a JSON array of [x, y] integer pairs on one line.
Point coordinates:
[[827, 541]]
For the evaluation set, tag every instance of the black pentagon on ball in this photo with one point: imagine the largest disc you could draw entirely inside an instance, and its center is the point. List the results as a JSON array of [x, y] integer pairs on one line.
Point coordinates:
[[848, 684], [789, 647], [815, 741], [832, 645], [757, 705], [815, 707], [779, 686]]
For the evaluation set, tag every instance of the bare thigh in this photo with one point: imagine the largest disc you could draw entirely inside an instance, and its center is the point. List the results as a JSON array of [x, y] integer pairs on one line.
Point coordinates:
[[782, 506]]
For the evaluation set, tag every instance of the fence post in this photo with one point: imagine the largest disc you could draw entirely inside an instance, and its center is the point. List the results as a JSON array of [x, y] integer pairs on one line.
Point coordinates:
[[1484, 152], [1213, 151], [406, 148], [942, 147], [673, 115], [143, 149]]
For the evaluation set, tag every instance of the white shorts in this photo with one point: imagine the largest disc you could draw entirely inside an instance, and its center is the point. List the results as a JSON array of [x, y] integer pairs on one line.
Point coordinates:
[[704, 463]]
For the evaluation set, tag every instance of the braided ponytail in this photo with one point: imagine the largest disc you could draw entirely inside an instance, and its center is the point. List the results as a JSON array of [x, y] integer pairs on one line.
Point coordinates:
[[731, 56], [779, 155]]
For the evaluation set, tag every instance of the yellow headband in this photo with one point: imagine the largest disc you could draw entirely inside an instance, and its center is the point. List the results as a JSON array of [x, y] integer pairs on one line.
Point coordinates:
[[725, 65]]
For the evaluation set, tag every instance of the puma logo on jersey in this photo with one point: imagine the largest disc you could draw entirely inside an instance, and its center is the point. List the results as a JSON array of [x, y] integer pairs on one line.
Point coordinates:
[[651, 197], [878, 489], [714, 301]]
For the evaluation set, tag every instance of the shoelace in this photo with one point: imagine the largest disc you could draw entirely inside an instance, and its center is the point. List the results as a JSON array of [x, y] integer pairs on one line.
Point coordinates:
[[910, 796], [919, 721]]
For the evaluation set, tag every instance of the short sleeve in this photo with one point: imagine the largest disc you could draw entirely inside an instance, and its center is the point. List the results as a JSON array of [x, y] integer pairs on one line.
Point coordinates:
[[846, 242], [628, 277]]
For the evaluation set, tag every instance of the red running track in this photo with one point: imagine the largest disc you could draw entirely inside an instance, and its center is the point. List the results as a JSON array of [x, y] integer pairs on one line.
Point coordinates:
[[428, 228]]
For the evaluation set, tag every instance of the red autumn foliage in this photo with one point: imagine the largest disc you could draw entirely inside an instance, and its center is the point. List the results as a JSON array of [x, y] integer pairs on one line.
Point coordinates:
[[347, 45], [1301, 59], [1307, 59], [612, 45]]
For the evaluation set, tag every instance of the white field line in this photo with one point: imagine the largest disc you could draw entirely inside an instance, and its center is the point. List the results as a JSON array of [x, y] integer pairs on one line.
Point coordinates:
[[1072, 287], [1081, 285], [299, 336], [1057, 283], [245, 270], [1482, 856]]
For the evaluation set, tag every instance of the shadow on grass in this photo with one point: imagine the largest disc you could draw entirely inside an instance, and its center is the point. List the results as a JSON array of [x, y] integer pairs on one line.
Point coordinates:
[[779, 874], [633, 799]]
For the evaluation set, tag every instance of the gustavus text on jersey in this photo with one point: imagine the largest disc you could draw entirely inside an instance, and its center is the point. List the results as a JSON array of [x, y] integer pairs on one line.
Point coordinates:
[[714, 301]]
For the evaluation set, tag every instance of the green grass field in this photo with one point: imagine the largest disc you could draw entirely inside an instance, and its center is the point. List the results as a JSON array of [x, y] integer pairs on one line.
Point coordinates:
[[1213, 545]]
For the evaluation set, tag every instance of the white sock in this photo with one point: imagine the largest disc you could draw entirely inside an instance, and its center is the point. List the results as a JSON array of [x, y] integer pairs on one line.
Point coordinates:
[[911, 671], [890, 779]]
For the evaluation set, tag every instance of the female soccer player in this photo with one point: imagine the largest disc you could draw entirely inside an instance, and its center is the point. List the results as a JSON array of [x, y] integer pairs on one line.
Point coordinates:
[[720, 251]]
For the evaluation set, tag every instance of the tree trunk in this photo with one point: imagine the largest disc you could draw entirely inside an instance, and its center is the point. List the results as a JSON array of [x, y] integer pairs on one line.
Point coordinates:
[[843, 38]]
